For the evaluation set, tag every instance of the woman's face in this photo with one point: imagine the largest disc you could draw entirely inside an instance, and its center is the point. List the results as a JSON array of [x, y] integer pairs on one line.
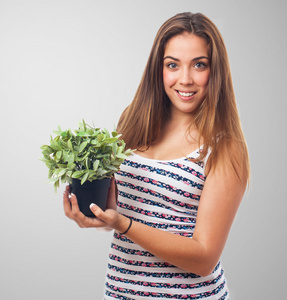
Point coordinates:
[[186, 71]]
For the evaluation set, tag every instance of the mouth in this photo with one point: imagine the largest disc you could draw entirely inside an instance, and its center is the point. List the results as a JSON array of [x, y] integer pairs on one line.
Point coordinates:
[[186, 94]]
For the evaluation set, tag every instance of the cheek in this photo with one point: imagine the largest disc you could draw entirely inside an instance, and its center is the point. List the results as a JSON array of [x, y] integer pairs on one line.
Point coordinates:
[[168, 79], [203, 79]]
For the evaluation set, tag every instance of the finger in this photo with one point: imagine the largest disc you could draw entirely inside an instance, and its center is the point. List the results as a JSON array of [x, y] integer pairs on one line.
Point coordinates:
[[74, 206], [67, 204], [68, 207], [68, 188], [82, 220], [101, 216], [96, 210], [112, 196]]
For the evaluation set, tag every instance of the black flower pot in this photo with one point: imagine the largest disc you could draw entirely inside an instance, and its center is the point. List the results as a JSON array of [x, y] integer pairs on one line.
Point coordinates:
[[90, 192]]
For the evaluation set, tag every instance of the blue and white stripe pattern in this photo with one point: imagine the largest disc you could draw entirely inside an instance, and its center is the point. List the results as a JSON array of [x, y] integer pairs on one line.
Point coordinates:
[[164, 195]]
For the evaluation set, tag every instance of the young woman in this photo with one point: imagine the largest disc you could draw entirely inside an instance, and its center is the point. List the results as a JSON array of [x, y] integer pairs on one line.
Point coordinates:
[[176, 197]]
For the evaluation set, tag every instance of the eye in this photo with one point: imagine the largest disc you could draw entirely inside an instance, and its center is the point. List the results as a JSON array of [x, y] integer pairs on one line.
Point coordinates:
[[172, 65], [200, 65]]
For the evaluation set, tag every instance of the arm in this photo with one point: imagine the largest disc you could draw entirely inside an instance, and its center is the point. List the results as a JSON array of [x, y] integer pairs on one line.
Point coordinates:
[[219, 203]]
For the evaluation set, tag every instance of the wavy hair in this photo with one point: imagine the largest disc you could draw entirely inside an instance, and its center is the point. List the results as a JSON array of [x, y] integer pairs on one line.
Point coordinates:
[[217, 118]]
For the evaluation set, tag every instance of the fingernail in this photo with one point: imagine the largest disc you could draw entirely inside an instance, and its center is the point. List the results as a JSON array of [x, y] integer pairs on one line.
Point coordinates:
[[92, 206]]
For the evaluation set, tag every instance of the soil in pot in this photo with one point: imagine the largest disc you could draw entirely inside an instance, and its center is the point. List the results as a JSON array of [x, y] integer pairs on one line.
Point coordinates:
[[91, 192]]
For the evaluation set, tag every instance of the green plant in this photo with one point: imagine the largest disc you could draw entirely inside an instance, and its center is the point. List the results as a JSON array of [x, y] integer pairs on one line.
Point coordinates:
[[87, 153]]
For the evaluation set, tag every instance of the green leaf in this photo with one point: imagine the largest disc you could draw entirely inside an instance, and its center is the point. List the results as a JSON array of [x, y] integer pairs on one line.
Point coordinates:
[[96, 132], [44, 159], [56, 172], [114, 147], [62, 172], [62, 166], [50, 174], [78, 174], [101, 172], [47, 151], [96, 165], [95, 143], [128, 152], [57, 138], [115, 134], [121, 155], [56, 185], [91, 174], [82, 146], [63, 133], [107, 133], [110, 140], [63, 144], [57, 132], [64, 178], [83, 157], [87, 163], [111, 167], [65, 156], [120, 149], [82, 133], [70, 146], [84, 179], [71, 158], [55, 146], [53, 179], [50, 163], [102, 155], [90, 132], [71, 167], [59, 154], [84, 125], [100, 137]]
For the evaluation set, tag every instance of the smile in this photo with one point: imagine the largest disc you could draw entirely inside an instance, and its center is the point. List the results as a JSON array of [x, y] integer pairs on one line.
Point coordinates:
[[184, 94]]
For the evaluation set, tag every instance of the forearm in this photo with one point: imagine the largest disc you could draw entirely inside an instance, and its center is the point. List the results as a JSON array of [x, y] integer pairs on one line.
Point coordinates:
[[183, 252], [186, 253]]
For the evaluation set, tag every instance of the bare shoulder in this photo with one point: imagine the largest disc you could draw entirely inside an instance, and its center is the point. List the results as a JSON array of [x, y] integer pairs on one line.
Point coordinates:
[[231, 158]]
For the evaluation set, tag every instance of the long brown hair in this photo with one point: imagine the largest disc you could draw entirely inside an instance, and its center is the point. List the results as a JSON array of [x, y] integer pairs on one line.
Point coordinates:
[[217, 118]]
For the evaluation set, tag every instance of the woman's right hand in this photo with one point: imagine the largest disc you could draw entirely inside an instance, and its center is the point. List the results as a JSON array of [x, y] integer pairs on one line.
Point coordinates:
[[73, 212]]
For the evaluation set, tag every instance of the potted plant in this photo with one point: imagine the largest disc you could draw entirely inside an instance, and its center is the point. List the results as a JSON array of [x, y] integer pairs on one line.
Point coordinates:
[[86, 158]]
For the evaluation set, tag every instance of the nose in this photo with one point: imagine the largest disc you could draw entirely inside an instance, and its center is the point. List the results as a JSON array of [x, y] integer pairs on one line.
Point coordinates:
[[185, 77]]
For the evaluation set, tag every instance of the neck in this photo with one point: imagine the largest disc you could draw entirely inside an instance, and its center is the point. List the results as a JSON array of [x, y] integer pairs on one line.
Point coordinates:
[[182, 126], [178, 119]]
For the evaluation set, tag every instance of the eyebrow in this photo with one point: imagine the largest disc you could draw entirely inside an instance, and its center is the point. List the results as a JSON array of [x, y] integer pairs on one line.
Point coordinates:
[[194, 59]]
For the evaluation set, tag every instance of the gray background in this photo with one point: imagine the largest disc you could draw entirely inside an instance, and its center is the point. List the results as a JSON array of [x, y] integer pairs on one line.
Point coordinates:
[[64, 60]]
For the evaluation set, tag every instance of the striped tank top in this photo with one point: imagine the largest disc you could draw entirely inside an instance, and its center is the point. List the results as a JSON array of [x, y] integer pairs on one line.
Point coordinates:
[[163, 194]]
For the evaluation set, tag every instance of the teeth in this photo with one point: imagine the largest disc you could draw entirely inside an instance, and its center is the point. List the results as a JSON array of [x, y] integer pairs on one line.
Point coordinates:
[[185, 94]]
